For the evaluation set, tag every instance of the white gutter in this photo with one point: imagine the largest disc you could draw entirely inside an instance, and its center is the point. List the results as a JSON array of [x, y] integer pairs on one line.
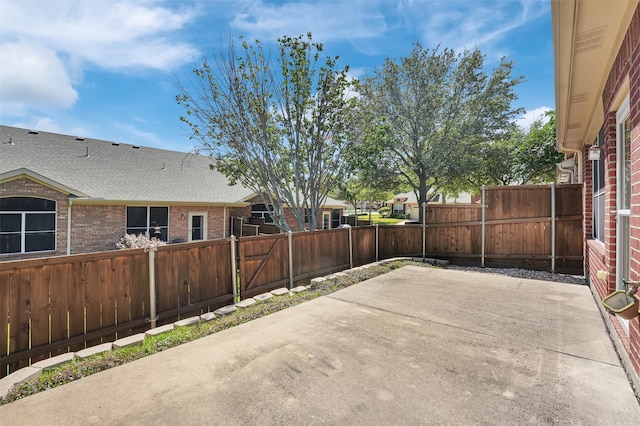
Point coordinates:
[[224, 221], [69, 227], [578, 166]]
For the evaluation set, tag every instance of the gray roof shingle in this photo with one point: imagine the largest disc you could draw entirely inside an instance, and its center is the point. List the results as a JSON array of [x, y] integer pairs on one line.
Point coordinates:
[[116, 171]]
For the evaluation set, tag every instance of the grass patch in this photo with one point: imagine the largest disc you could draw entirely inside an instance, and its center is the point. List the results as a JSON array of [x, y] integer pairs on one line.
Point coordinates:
[[376, 219], [77, 369]]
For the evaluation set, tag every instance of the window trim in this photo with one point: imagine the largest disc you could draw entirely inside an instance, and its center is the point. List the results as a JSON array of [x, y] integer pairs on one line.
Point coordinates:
[[190, 226], [148, 227], [263, 214], [598, 214], [23, 221]]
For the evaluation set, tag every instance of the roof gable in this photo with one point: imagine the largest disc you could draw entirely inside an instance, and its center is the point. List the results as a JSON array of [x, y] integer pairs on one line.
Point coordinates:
[[19, 173]]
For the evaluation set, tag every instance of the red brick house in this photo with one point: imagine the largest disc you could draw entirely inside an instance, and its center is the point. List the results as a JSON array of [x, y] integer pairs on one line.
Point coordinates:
[[597, 87], [62, 194]]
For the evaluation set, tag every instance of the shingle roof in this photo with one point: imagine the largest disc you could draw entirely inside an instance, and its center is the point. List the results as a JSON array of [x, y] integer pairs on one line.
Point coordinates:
[[113, 171]]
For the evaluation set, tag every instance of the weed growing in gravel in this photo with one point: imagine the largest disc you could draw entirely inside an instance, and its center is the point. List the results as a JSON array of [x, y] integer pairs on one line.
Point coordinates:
[[78, 368]]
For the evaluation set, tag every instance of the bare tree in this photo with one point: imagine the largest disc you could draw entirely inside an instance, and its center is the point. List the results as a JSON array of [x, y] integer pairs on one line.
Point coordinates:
[[279, 127]]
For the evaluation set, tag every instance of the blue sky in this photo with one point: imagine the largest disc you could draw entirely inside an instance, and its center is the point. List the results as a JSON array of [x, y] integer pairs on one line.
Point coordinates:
[[107, 69]]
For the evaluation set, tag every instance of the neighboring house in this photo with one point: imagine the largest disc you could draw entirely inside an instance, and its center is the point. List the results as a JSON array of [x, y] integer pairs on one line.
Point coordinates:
[[406, 203], [66, 195], [597, 88]]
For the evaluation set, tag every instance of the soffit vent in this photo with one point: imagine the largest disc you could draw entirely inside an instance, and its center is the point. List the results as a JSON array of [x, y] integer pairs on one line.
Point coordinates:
[[573, 126], [580, 97], [590, 40]]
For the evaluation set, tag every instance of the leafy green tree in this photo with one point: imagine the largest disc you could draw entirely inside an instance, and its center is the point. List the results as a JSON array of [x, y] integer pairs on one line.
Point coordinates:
[[279, 127], [523, 156], [438, 108], [538, 154]]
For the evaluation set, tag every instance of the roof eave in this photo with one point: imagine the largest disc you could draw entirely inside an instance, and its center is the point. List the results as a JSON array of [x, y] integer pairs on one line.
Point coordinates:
[[57, 186], [586, 40]]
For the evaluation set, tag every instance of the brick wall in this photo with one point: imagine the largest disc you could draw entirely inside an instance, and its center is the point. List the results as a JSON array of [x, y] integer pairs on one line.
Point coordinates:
[[96, 227], [217, 225], [626, 64], [26, 187]]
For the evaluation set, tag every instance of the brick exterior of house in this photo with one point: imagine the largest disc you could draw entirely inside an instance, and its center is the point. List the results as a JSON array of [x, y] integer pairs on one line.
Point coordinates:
[[601, 255], [97, 227]]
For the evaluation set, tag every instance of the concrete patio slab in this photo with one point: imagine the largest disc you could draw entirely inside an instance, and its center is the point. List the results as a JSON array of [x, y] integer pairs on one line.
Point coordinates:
[[414, 346]]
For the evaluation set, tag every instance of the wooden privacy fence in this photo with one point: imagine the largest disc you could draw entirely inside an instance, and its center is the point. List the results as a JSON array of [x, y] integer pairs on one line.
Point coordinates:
[[54, 305], [535, 226], [59, 304]]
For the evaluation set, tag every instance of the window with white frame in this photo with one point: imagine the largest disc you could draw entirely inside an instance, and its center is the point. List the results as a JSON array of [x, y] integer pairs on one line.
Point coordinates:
[[262, 211], [598, 190], [27, 224], [151, 220], [397, 208]]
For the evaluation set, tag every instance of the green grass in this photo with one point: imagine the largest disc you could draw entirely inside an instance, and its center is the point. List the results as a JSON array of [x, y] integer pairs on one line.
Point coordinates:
[[77, 369], [376, 219]]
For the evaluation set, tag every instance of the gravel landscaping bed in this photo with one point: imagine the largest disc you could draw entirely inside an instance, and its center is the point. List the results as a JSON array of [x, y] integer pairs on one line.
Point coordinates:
[[525, 273]]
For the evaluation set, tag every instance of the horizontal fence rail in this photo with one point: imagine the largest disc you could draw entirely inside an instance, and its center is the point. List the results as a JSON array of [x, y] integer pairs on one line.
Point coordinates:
[[54, 305]]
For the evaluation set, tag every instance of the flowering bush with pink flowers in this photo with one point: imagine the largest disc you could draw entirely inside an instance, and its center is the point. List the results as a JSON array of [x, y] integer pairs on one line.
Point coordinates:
[[129, 241]]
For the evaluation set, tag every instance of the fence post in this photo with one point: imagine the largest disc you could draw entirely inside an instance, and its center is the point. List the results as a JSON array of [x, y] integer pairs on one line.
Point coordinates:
[[483, 201], [152, 285], [424, 231], [350, 249], [289, 237], [553, 227], [234, 268], [377, 240]]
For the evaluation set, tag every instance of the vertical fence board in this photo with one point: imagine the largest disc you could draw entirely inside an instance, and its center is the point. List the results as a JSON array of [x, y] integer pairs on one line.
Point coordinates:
[[76, 300], [194, 275], [122, 277], [139, 284], [4, 312], [59, 302], [181, 264], [92, 293], [40, 307], [108, 295], [21, 290]]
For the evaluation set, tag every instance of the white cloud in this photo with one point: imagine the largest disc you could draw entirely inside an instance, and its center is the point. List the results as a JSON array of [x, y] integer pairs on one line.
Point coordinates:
[[48, 124], [368, 25], [50, 43], [467, 24], [326, 20], [33, 74], [526, 120], [108, 33]]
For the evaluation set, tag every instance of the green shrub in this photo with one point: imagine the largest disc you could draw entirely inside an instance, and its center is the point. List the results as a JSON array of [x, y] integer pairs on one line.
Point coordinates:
[[384, 211]]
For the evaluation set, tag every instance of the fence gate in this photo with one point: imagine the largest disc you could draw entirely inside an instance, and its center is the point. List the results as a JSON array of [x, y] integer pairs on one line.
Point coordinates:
[[263, 264]]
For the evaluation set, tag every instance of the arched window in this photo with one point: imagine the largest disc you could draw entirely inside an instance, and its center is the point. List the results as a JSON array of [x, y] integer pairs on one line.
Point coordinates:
[[263, 211], [27, 224]]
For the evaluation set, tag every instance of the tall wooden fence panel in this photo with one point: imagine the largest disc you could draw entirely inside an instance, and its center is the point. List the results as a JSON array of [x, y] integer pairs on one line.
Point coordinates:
[[400, 241], [518, 228], [318, 253], [192, 278], [263, 263], [49, 306], [364, 244], [454, 230], [569, 228]]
